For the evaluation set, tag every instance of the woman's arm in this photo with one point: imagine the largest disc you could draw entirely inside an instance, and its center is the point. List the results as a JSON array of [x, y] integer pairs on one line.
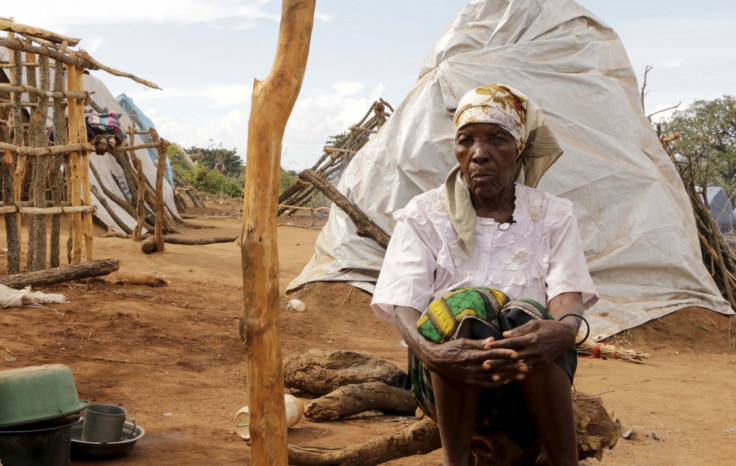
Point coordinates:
[[464, 360], [541, 341]]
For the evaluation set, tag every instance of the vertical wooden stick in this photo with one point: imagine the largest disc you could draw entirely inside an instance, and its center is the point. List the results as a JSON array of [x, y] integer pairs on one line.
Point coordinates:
[[21, 161], [140, 207], [37, 223], [84, 172], [76, 113], [12, 225], [158, 231], [273, 100], [55, 176]]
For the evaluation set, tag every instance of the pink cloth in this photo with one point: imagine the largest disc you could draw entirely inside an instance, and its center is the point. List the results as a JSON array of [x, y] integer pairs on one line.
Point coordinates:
[[539, 257]]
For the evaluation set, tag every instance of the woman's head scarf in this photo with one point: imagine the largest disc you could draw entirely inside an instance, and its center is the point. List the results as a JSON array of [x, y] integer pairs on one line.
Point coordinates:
[[537, 147]]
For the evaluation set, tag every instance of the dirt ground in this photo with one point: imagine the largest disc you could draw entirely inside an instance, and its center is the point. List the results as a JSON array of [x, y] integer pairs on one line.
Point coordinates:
[[172, 357]]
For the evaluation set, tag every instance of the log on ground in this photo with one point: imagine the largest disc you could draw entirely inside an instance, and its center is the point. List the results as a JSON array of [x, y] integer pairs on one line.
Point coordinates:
[[596, 431], [357, 398], [194, 241], [419, 438], [320, 372], [61, 274]]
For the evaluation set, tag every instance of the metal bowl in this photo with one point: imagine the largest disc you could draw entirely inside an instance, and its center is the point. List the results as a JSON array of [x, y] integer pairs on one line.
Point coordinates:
[[105, 450], [37, 393]]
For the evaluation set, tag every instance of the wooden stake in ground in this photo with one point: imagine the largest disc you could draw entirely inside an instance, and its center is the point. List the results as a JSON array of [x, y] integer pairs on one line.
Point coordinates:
[[158, 233], [76, 113], [272, 102]]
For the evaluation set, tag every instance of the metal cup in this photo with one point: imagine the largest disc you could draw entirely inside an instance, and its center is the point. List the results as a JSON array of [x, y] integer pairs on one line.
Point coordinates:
[[103, 423]]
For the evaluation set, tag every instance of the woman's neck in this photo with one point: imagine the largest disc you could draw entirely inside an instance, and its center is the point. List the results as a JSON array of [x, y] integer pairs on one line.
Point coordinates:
[[499, 207]]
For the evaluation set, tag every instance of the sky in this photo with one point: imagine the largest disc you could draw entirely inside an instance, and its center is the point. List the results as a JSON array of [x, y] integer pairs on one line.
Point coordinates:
[[205, 55]]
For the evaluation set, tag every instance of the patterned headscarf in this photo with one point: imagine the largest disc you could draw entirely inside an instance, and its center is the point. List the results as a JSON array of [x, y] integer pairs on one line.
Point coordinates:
[[537, 147], [503, 106]]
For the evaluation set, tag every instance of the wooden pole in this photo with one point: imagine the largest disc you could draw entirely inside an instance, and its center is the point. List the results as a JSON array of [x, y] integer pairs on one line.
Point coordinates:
[[55, 176], [365, 226], [6, 25], [76, 113], [20, 160], [272, 102], [84, 175], [37, 224], [158, 230], [140, 206], [12, 226]]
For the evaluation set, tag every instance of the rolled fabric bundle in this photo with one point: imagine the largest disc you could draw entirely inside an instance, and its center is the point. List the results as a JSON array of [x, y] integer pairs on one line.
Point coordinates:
[[476, 306]]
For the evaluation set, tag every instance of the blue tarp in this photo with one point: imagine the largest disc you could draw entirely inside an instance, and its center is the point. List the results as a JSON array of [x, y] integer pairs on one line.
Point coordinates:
[[143, 123]]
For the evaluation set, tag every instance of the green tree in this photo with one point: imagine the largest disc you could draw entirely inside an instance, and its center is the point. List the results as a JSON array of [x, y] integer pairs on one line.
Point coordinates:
[[219, 159], [706, 145]]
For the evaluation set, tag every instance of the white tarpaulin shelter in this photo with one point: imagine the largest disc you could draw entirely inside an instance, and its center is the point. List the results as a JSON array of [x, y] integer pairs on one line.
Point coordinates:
[[634, 215], [110, 172]]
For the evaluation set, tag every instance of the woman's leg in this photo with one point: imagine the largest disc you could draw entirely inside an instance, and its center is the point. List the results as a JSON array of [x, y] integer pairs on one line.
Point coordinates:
[[546, 391], [457, 408]]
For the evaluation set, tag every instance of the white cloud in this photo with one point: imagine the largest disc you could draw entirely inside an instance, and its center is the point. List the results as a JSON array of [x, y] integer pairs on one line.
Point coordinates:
[[230, 130], [346, 88], [221, 95], [673, 62], [60, 17], [315, 119]]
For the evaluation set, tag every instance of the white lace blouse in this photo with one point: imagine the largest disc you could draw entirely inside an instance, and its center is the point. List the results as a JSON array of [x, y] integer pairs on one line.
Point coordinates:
[[539, 257]]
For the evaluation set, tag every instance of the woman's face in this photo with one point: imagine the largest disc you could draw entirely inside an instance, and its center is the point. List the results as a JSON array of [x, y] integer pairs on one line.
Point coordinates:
[[487, 157]]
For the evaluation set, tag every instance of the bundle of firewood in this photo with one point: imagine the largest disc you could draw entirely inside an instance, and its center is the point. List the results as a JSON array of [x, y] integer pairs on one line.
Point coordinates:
[[336, 157], [347, 383], [717, 255]]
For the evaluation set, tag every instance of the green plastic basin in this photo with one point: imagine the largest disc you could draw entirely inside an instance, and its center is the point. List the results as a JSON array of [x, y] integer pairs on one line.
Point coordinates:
[[37, 393]]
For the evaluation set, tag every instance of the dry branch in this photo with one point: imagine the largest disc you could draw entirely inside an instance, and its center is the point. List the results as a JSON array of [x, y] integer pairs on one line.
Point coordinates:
[[50, 150], [61, 274], [30, 31], [73, 58], [43, 92], [366, 227], [336, 157]]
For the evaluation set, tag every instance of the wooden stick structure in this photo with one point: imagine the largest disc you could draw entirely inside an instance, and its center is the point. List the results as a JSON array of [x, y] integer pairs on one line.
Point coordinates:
[[49, 176], [30, 31], [272, 102], [336, 157]]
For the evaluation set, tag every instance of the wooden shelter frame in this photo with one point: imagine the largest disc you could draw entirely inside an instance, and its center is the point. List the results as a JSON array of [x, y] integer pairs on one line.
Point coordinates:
[[26, 152]]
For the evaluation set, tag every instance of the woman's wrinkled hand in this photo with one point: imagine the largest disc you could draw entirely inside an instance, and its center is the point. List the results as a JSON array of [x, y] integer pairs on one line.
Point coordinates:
[[470, 362], [537, 343]]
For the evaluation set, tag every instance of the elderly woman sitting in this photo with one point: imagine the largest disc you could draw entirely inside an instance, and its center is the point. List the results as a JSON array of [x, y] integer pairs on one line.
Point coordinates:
[[460, 253]]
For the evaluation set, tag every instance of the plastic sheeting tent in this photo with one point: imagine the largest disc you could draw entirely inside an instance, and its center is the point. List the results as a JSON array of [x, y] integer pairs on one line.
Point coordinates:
[[109, 170], [635, 218]]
